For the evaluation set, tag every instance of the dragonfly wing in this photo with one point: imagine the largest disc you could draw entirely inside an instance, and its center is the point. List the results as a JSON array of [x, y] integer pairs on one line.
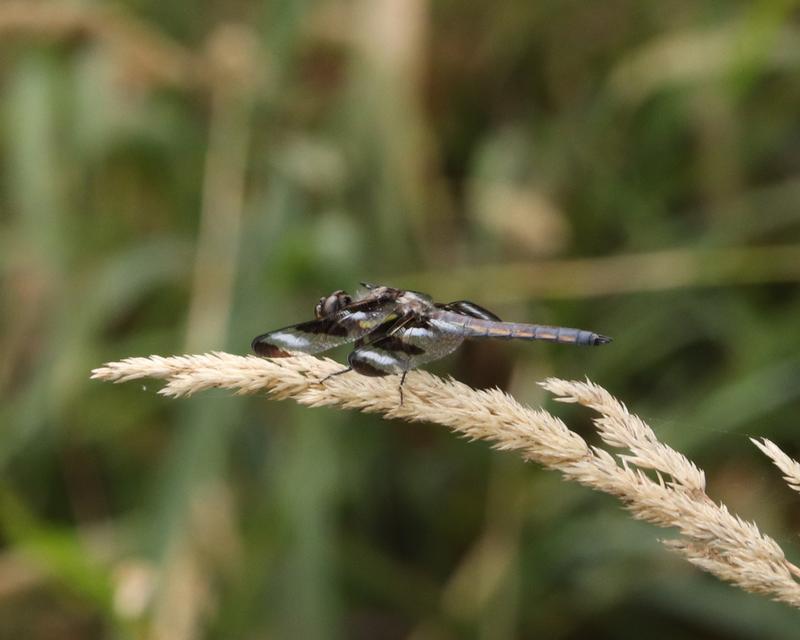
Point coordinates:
[[315, 336], [310, 337], [403, 350], [467, 308]]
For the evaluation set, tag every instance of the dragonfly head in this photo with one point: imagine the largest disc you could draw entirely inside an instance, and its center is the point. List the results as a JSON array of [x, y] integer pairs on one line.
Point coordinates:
[[332, 304]]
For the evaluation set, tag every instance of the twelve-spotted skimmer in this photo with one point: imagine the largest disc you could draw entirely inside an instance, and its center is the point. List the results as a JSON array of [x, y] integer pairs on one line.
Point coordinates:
[[395, 330]]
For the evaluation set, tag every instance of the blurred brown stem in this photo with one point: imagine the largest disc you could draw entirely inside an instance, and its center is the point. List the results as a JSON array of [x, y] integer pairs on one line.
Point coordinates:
[[632, 273]]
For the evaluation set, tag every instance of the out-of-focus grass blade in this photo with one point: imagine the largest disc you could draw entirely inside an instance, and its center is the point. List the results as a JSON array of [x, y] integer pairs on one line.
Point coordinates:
[[107, 292], [57, 551]]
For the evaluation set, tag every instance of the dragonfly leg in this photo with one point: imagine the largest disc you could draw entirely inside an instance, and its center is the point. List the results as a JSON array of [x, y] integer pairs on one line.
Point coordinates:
[[336, 373], [402, 381]]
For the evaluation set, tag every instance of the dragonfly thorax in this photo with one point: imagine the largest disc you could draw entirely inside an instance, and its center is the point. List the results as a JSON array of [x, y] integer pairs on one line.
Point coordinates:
[[415, 301]]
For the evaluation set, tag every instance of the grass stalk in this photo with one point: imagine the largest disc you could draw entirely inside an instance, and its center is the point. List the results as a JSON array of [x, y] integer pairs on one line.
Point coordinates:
[[654, 482]]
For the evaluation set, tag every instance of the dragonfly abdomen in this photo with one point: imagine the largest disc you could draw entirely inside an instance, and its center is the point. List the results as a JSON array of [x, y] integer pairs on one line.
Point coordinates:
[[564, 335], [520, 331], [480, 328]]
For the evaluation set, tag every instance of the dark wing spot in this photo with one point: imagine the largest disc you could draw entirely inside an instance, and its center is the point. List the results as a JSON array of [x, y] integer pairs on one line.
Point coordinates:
[[364, 368], [369, 305], [266, 350], [324, 325], [467, 308], [393, 343]]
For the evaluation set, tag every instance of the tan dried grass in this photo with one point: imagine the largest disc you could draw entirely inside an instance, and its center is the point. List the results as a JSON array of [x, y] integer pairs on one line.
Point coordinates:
[[655, 483], [790, 468]]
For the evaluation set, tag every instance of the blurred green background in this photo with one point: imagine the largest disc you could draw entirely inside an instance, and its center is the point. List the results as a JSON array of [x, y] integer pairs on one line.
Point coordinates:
[[181, 176]]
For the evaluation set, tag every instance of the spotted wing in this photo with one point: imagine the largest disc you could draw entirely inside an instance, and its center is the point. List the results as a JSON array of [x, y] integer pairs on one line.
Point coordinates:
[[315, 336], [467, 308], [404, 349]]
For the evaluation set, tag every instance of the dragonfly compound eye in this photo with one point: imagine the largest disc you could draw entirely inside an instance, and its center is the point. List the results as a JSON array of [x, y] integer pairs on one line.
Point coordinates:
[[333, 303]]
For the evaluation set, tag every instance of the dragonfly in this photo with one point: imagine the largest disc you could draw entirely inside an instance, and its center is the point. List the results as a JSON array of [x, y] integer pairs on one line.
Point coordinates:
[[397, 330]]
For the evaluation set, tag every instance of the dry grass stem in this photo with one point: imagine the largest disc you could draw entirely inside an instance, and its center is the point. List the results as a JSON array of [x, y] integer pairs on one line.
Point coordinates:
[[146, 57], [790, 467], [654, 482], [145, 54]]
